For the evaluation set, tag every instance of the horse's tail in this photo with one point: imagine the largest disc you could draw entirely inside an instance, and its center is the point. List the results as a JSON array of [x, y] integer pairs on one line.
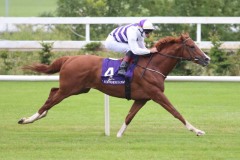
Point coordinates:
[[47, 69]]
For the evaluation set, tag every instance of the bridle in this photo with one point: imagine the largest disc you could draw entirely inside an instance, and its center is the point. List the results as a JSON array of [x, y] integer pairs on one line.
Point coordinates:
[[180, 58]]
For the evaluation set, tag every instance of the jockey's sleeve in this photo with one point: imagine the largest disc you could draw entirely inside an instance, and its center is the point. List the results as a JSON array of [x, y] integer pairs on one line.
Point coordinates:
[[132, 35], [141, 43]]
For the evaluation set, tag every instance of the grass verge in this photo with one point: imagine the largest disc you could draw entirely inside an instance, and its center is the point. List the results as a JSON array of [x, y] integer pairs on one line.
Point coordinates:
[[74, 129]]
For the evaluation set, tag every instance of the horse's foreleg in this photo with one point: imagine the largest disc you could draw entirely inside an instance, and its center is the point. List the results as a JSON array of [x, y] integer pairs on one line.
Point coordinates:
[[43, 111], [33, 118], [193, 129], [137, 105], [163, 101]]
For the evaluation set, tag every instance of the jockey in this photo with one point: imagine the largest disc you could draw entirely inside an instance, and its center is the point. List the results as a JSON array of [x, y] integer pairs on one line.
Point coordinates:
[[129, 39]]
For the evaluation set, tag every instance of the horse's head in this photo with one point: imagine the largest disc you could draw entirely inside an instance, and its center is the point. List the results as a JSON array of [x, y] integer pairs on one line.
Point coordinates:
[[184, 49], [192, 52]]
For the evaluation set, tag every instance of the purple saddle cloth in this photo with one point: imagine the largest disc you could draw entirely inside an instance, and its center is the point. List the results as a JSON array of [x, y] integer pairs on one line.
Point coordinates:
[[109, 72]]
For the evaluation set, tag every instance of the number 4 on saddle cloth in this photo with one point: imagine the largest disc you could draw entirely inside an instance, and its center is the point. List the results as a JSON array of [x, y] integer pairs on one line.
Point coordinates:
[[109, 74]]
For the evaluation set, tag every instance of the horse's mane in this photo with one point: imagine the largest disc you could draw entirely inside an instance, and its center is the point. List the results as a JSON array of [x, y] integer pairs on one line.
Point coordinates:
[[170, 39]]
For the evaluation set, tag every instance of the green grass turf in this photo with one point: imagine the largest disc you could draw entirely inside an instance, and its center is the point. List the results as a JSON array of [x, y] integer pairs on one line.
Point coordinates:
[[74, 129], [27, 8]]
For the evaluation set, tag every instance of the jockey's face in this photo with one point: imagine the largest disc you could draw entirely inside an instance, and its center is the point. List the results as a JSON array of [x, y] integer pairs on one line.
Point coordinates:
[[147, 33]]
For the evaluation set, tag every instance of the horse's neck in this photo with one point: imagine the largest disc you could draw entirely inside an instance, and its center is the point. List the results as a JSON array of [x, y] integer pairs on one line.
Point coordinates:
[[163, 63]]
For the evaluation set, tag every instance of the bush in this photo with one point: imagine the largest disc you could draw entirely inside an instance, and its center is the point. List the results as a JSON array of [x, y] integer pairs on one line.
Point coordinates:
[[7, 62], [220, 61], [93, 46], [46, 53], [234, 69]]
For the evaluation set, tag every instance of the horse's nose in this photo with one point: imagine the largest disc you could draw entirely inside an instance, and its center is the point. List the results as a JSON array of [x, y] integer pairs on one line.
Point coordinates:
[[207, 58]]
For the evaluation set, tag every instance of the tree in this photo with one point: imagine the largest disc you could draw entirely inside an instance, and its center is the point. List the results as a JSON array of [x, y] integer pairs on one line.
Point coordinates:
[[216, 8], [111, 8]]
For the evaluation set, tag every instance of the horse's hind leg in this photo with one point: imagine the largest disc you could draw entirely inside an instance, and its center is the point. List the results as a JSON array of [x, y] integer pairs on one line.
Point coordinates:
[[52, 92], [137, 105], [55, 97]]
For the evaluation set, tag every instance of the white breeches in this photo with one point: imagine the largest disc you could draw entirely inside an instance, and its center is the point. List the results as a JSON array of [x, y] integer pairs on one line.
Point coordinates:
[[115, 46]]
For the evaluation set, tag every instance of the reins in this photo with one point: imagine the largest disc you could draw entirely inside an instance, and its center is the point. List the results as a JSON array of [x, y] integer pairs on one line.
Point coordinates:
[[149, 69], [150, 59]]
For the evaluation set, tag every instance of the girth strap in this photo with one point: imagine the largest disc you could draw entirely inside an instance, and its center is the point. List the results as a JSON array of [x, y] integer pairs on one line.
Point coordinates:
[[135, 59], [127, 88]]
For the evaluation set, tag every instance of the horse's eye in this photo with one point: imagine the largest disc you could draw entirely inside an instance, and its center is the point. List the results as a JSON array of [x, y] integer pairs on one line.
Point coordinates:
[[192, 47]]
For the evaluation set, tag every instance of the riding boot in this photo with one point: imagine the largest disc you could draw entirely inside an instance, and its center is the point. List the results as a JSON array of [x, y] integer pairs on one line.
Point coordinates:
[[125, 63]]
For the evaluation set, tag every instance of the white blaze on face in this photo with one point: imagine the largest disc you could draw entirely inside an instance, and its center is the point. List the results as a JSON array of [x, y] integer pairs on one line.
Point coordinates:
[[205, 55]]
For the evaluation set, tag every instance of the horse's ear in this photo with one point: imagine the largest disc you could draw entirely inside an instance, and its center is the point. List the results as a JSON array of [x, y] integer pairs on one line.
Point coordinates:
[[184, 35], [187, 34]]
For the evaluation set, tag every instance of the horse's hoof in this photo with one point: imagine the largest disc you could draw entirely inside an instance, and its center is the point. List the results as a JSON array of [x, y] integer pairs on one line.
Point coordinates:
[[21, 121], [200, 133], [119, 135]]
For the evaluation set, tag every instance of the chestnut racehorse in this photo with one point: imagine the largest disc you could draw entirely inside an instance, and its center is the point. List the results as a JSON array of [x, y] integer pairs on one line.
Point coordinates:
[[78, 74]]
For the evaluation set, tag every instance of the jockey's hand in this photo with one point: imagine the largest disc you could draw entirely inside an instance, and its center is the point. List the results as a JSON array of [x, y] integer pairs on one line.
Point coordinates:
[[153, 50]]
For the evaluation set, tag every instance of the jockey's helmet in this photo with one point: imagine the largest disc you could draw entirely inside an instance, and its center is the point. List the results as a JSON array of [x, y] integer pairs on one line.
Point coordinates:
[[146, 25]]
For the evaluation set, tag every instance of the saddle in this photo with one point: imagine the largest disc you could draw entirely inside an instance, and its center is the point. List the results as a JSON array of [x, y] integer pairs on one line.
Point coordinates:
[[109, 74]]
